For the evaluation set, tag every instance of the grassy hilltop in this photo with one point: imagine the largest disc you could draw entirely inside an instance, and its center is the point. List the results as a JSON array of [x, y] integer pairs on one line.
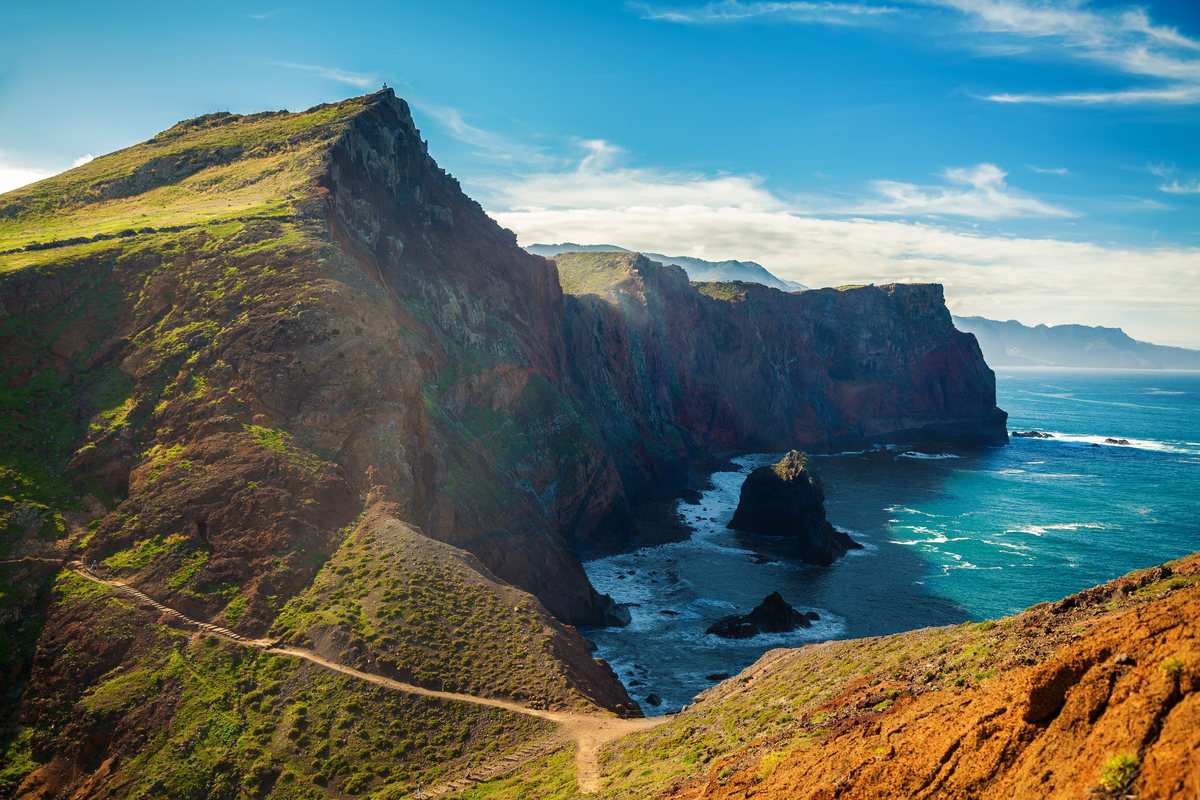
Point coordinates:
[[205, 393]]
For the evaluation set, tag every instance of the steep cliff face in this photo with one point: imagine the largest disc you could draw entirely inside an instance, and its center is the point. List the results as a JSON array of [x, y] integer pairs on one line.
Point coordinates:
[[743, 366], [504, 465], [227, 347]]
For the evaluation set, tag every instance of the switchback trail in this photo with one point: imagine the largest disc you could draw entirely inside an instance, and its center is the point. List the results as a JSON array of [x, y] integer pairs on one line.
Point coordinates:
[[589, 732]]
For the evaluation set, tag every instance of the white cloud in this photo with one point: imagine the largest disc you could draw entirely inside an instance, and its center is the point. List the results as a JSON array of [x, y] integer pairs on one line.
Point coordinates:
[[1161, 170], [727, 11], [597, 182], [79, 162], [1149, 291], [360, 80], [985, 196], [1124, 40], [16, 177], [1175, 187], [487, 143], [1179, 95], [1046, 171], [1121, 40]]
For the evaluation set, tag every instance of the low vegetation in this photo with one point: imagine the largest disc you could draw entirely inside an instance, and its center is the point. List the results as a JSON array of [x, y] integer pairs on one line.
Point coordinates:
[[393, 602], [219, 717]]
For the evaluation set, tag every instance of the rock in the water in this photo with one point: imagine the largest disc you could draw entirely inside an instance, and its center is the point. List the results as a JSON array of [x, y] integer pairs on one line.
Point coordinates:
[[814, 616], [717, 676], [1032, 435], [1116, 441], [787, 499], [615, 613], [773, 615], [653, 699]]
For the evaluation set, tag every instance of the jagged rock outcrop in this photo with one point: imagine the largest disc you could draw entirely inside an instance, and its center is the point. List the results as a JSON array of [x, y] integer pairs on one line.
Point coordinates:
[[788, 499], [772, 615]]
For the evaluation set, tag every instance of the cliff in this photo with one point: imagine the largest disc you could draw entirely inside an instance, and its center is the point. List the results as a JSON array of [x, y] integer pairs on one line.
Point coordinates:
[[255, 355], [698, 269], [667, 366]]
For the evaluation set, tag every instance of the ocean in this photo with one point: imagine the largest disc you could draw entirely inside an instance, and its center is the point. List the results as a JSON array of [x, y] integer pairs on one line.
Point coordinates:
[[949, 533]]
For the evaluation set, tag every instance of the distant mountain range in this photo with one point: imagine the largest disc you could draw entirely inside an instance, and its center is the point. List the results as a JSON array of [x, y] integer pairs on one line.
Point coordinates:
[[697, 268], [1011, 344]]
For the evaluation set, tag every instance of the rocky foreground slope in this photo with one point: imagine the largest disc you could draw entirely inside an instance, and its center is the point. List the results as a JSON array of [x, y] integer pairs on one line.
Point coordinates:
[[278, 372], [1094, 696]]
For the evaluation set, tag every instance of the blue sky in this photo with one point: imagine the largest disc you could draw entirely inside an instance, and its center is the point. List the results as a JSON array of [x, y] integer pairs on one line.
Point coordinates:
[[1040, 159]]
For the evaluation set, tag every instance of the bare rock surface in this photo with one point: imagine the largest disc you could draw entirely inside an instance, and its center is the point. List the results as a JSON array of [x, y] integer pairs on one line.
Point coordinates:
[[787, 499]]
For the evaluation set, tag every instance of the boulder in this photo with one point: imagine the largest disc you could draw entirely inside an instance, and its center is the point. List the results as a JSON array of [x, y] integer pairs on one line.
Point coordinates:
[[773, 615], [1032, 435], [787, 499]]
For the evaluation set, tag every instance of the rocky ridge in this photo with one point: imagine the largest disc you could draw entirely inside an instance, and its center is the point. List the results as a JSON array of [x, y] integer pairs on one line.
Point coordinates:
[[239, 350]]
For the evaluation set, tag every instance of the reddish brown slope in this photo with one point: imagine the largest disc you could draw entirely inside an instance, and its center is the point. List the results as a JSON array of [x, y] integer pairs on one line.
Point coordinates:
[[1129, 685]]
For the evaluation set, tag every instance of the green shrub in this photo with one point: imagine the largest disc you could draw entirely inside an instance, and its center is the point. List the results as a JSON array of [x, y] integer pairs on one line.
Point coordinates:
[[1118, 771], [1172, 667]]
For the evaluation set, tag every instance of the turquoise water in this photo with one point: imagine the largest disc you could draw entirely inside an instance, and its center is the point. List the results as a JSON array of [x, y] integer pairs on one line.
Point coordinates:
[[950, 533]]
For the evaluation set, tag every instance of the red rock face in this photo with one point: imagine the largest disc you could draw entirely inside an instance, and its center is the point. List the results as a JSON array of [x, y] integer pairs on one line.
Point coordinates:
[[676, 365], [556, 414], [402, 339]]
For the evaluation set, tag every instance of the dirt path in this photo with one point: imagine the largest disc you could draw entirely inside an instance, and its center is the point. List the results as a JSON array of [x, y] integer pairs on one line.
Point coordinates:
[[590, 732]]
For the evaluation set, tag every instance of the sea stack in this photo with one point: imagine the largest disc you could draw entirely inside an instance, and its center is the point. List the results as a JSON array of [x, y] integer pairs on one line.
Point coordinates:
[[772, 615], [787, 499]]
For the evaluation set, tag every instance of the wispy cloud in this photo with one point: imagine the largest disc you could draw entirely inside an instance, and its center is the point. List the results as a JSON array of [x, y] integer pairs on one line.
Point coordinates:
[[598, 180], [599, 200], [1175, 187], [1163, 63], [1182, 95], [1161, 170], [79, 162], [488, 144], [978, 192], [1046, 171], [727, 11], [360, 80], [267, 15], [1124, 40]]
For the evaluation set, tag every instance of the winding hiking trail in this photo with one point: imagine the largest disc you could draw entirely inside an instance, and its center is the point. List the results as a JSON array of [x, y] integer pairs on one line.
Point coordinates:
[[589, 732]]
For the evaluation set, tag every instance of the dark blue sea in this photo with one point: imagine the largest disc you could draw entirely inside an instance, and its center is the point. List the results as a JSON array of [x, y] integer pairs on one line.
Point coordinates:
[[949, 533]]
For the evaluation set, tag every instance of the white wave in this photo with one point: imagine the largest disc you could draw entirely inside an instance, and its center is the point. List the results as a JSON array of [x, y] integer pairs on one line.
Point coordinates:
[[705, 601], [1134, 444], [930, 456], [1040, 530], [907, 510], [1009, 545], [1153, 391]]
